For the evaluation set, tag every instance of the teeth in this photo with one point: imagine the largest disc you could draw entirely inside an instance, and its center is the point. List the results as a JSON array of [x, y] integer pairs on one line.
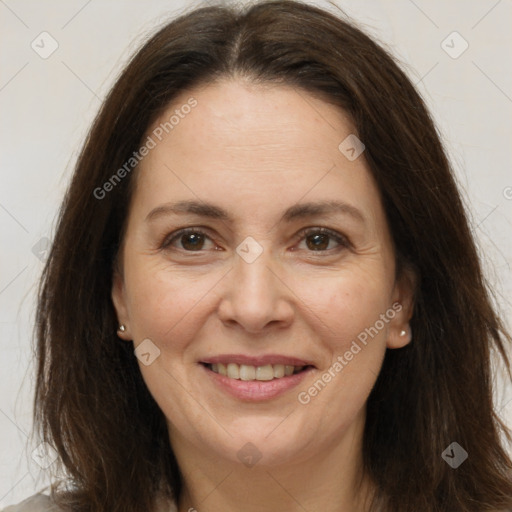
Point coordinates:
[[233, 371], [278, 371], [265, 372], [248, 372]]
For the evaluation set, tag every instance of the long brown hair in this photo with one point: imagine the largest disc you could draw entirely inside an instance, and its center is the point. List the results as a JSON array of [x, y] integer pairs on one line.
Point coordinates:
[[91, 403]]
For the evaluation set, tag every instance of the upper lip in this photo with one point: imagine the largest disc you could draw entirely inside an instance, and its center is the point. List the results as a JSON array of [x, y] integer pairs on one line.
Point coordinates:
[[262, 360]]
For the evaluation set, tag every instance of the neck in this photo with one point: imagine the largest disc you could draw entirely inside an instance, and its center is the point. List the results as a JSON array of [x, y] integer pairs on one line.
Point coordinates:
[[331, 480]]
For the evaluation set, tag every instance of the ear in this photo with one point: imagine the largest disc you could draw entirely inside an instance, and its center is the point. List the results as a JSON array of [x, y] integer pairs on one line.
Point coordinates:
[[399, 333], [118, 294]]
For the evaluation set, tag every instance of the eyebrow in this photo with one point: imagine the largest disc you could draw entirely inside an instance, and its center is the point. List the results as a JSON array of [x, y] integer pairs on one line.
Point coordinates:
[[297, 211]]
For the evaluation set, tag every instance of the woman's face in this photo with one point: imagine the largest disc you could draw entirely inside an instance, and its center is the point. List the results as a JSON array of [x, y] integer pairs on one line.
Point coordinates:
[[255, 174]]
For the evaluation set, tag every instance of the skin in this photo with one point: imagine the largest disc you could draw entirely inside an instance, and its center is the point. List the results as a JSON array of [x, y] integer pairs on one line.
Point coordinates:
[[255, 151]]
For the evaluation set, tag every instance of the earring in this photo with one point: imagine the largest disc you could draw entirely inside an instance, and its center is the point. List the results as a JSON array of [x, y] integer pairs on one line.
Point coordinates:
[[122, 328], [403, 333]]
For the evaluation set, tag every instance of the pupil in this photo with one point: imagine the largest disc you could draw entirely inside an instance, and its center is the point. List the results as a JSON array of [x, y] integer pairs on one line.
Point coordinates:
[[323, 239], [193, 240]]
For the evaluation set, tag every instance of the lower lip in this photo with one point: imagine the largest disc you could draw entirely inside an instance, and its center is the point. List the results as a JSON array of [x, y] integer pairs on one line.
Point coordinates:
[[256, 390]]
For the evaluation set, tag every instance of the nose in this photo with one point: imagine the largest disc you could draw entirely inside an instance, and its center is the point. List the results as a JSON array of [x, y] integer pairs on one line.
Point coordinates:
[[255, 296]]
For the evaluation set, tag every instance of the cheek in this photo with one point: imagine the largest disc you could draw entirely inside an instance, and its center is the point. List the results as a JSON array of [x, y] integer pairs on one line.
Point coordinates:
[[164, 303], [345, 303], [345, 316], [168, 304]]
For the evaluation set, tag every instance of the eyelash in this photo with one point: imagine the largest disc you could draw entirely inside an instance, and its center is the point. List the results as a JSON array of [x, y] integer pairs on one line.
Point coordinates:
[[340, 239]]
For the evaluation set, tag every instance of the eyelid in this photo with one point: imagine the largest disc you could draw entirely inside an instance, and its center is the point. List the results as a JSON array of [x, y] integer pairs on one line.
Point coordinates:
[[342, 240]]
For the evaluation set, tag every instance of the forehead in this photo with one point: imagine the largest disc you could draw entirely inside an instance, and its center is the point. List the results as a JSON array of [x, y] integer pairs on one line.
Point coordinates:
[[247, 144], [245, 117]]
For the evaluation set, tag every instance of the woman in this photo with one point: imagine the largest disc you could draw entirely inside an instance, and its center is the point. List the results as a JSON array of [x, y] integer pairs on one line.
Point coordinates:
[[263, 292]]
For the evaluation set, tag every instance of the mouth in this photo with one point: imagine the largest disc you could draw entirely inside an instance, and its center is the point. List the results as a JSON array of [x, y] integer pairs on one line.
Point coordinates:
[[248, 372], [255, 378]]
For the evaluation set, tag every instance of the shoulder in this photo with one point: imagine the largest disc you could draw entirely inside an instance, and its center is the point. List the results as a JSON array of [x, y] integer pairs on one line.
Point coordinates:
[[42, 503], [37, 503]]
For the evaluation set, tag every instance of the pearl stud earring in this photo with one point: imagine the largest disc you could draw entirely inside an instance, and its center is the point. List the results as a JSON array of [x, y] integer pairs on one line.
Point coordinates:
[[122, 328], [403, 333]]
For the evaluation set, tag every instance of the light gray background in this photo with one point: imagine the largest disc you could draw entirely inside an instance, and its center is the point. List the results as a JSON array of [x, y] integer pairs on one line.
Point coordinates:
[[48, 104]]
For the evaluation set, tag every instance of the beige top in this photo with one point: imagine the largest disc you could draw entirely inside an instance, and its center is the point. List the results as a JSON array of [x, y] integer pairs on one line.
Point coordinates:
[[42, 503]]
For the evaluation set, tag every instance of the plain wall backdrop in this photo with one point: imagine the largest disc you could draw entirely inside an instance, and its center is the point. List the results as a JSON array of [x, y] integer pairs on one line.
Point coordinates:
[[59, 58]]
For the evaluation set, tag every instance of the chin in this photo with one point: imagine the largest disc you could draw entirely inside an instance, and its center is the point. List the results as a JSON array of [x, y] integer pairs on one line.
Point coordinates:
[[267, 441]]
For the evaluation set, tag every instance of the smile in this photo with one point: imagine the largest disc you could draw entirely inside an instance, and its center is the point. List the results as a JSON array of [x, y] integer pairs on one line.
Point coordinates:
[[249, 372], [257, 382]]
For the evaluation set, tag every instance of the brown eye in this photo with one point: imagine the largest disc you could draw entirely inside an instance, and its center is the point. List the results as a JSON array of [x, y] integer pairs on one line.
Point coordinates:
[[190, 240], [319, 239], [318, 242]]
